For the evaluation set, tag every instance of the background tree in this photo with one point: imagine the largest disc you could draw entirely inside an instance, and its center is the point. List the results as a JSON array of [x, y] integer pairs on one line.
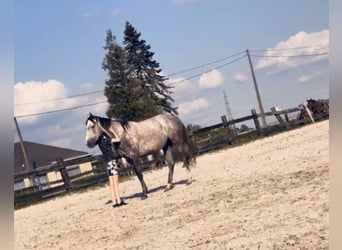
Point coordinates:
[[124, 94], [147, 70], [135, 89], [244, 128]]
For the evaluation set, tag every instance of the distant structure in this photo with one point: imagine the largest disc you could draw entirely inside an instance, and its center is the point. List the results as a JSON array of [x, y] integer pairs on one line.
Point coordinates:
[[229, 112]]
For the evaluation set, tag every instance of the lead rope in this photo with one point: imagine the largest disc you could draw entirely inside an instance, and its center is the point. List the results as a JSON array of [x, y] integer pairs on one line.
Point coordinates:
[[111, 133]]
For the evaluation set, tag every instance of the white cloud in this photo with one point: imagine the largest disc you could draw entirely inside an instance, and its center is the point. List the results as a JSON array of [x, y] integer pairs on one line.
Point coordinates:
[[240, 77], [69, 131], [310, 43], [63, 142], [192, 106], [87, 87], [306, 78], [99, 109], [91, 12], [178, 2], [210, 80], [34, 91], [181, 88], [116, 12]]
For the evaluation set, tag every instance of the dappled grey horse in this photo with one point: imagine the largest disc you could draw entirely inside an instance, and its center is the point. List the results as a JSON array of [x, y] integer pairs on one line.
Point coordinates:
[[137, 139]]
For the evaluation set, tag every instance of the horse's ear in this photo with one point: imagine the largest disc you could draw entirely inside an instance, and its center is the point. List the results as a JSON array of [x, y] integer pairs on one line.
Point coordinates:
[[90, 116]]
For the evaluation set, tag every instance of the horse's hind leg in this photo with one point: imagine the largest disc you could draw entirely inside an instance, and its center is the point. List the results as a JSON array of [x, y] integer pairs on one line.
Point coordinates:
[[171, 165], [185, 151]]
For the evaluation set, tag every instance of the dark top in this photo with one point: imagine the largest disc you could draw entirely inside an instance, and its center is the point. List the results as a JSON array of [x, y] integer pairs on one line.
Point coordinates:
[[107, 150]]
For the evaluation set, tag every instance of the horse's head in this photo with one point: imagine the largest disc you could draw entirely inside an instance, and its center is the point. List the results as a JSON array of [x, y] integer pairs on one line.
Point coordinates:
[[312, 105], [93, 131], [310, 102]]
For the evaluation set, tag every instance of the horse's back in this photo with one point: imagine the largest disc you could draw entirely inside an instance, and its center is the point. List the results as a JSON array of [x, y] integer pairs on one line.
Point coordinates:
[[176, 129], [170, 122], [165, 126]]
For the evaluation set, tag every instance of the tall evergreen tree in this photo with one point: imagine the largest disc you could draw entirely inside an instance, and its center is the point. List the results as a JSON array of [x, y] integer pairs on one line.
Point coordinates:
[[135, 88], [124, 93], [144, 68]]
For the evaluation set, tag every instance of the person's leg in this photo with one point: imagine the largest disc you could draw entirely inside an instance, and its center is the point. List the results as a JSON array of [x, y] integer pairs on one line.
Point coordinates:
[[119, 201], [116, 188], [113, 172], [112, 189]]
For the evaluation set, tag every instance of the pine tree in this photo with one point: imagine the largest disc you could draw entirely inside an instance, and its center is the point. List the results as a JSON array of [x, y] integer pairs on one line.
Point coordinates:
[[114, 63], [124, 93], [135, 88], [147, 70]]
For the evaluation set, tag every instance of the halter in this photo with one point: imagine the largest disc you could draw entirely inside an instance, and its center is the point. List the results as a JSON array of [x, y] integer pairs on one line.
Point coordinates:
[[110, 133]]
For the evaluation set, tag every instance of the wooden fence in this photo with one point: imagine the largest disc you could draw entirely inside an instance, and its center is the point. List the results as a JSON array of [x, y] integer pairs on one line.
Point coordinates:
[[97, 174], [205, 139]]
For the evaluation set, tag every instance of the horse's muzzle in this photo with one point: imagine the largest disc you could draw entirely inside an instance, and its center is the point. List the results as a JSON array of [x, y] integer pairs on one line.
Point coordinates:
[[91, 143]]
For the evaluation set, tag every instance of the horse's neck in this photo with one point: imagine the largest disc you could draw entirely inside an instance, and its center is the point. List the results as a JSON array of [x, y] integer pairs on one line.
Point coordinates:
[[117, 129]]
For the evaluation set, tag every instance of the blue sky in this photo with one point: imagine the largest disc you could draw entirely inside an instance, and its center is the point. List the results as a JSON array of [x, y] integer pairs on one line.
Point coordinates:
[[58, 51]]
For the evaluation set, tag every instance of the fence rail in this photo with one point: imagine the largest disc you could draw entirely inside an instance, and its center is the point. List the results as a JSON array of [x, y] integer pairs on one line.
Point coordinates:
[[283, 122], [204, 139], [96, 175]]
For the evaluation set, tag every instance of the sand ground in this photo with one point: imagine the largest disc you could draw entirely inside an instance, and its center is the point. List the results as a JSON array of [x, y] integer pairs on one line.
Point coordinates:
[[272, 193]]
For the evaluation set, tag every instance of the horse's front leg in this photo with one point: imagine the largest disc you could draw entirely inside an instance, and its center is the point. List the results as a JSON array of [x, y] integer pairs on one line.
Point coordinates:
[[135, 163]]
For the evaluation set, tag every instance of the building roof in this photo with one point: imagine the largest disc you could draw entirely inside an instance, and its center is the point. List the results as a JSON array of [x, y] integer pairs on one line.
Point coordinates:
[[40, 155]]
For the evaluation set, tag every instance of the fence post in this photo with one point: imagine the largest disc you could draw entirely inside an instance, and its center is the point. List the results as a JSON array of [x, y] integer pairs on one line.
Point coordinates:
[[64, 173], [231, 133], [256, 121], [278, 116]]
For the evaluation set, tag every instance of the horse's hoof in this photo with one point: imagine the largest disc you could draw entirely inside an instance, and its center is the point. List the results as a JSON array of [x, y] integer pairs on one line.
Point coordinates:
[[144, 197], [188, 182], [168, 187]]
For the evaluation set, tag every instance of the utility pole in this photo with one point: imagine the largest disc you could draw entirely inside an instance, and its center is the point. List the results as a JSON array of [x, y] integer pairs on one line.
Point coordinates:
[[263, 120], [27, 166], [228, 110]]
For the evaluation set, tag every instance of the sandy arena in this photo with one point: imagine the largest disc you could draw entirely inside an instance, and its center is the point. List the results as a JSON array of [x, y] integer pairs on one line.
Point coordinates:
[[272, 193]]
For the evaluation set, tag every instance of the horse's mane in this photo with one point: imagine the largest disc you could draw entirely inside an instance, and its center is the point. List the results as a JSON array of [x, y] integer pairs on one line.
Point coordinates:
[[123, 122], [106, 122]]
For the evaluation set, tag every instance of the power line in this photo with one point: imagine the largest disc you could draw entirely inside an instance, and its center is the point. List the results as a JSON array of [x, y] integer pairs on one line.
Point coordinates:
[[94, 92], [196, 75], [60, 110], [206, 64], [59, 98], [187, 70], [100, 91], [218, 67], [173, 83]]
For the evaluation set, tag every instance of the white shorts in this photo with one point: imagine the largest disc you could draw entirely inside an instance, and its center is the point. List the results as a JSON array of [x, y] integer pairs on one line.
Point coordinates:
[[113, 167]]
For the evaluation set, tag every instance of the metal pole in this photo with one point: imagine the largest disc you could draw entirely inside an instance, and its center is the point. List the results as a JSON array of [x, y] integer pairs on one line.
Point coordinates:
[[229, 112], [27, 166], [263, 120]]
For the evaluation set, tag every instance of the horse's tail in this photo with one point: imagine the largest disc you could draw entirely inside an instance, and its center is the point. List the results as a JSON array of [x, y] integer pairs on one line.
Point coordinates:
[[191, 145]]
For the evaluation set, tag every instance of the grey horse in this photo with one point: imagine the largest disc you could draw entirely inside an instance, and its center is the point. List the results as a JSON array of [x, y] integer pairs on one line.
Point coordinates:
[[137, 139]]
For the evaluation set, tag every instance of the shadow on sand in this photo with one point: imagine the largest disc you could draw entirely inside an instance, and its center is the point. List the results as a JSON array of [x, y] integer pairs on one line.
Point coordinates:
[[153, 190]]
